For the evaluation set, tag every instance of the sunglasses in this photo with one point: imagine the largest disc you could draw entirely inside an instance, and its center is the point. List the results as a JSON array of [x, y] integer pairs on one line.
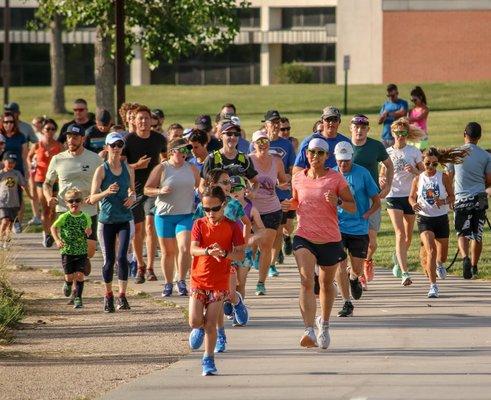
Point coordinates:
[[74, 201], [182, 150], [314, 153], [285, 129], [119, 144], [9, 121], [50, 129], [330, 119], [226, 182], [262, 141], [401, 133], [414, 100], [212, 209], [230, 134], [237, 189], [79, 109], [434, 164]]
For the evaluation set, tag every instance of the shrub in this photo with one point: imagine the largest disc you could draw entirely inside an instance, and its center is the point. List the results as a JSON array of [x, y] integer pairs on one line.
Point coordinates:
[[294, 73], [11, 307]]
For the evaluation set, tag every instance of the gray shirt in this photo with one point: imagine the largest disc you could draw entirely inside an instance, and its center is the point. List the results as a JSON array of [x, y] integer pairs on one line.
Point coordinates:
[[9, 188], [28, 132], [470, 176]]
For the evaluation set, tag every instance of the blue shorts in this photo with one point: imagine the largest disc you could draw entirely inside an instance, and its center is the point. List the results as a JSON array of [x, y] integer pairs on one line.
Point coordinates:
[[168, 226]]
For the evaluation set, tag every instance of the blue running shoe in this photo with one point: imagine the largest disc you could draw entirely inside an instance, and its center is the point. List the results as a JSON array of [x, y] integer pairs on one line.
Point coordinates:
[[221, 344], [260, 289], [228, 309], [208, 364], [255, 262], [167, 290], [196, 338], [273, 271], [241, 314], [181, 288], [133, 267]]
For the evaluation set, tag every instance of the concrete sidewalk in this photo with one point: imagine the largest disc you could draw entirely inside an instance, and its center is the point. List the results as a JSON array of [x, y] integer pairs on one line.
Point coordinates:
[[399, 345]]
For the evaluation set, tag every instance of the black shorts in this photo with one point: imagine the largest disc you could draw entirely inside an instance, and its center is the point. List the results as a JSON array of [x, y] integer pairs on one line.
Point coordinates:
[[291, 214], [72, 264], [400, 203], [272, 220], [438, 225], [144, 206], [9, 213], [326, 254], [470, 217], [357, 245], [56, 187]]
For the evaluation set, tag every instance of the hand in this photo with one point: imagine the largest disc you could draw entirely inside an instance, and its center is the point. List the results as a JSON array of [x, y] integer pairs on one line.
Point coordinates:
[[103, 153], [366, 216], [53, 201], [87, 200], [165, 190], [59, 243], [250, 194], [409, 168], [88, 231], [382, 181], [331, 198], [417, 207], [285, 205], [440, 202], [129, 201], [284, 186], [143, 162], [215, 251], [384, 192], [113, 188]]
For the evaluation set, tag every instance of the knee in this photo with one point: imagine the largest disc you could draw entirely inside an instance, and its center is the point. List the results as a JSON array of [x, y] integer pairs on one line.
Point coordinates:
[[195, 322], [307, 283]]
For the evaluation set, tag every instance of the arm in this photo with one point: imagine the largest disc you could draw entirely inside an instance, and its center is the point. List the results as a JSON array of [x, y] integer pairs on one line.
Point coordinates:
[[389, 175], [375, 206], [51, 177], [283, 177], [95, 191], [401, 112], [256, 220], [142, 163], [247, 226], [447, 182], [152, 187], [348, 203], [25, 150], [197, 178], [31, 153], [413, 196], [488, 180]]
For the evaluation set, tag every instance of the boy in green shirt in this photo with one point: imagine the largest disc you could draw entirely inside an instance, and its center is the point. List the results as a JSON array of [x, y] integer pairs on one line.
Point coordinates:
[[70, 232]]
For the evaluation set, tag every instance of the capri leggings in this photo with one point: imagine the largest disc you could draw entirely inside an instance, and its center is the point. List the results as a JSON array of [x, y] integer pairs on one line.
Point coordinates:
[[107, 238]]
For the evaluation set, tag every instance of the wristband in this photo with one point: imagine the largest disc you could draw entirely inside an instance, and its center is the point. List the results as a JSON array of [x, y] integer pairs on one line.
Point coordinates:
[[226, 254], [340, 202], [207, 252]]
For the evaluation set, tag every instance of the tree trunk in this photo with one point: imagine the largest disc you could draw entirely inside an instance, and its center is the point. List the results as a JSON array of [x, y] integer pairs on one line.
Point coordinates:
[[57, 60], [104, 72]]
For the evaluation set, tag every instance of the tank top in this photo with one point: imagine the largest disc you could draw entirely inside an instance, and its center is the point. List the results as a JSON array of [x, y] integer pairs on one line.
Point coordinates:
[[181, 199], [44, 154], [421, 123], [112, 209], [265, 200], [429, 189]]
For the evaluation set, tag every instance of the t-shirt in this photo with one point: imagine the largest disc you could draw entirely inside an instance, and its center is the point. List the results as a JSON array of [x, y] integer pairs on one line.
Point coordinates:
[[241, 164], [207, 273], [408, 155], [194, 161], [317, 218], [363, 188], [369, 155], [136, 147], [242, 145], [72, 232], [9, 188], [470, 176], [391, 107], [233, 210], [95, 139], [15, 144], [73, 172], [301, 160], [64, 128], [27, 130], [214, 144]]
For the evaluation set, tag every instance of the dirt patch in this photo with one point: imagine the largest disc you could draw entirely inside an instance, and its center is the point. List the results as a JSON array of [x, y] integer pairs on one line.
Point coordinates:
[[61, 353]]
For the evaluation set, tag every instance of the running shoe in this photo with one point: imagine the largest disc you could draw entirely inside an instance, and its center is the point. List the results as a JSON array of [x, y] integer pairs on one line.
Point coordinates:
[[122, 303], [308, 339], [281, 257], [133, 268], [71, 300], [356, 288], [44, 239], [228, 309], [248, 261], [287, 245], [17, 228], [221, 344], [368, 270], [273, 271], [323, 337], [67, 289], [140, 276], [181, 288], [475, 272], [50, 240], [260, 289], [466, 268], [433, 293], [347, 310], [396, 269], [363, 282], [441, 271], [255, 262], [109, 304], [208, 364], [77, 302], [196, 338], [151, 277], [406, 279], [167, 290], [241, 314]]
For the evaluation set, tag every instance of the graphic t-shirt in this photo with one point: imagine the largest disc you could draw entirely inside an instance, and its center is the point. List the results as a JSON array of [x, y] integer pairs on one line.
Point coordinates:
[[9, 188], [72, 232], [408, 155], [369, 156], [391, 107], [301, 160]]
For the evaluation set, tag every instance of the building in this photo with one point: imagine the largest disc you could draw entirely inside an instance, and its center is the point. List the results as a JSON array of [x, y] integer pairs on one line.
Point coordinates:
[[387, 41]]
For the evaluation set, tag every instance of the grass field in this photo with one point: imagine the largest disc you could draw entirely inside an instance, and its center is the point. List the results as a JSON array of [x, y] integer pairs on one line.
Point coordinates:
[[452, 105]]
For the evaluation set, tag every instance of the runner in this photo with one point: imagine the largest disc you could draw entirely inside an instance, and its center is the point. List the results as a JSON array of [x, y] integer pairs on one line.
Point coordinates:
[[216, 241], [407, 164], [113, 188], [394, 108], [418, 115], [471, 178], [95, 138], [81, 117], [285, 132], [431, 197], [318, 240], [369, 153], [198, 140], [354, 226]]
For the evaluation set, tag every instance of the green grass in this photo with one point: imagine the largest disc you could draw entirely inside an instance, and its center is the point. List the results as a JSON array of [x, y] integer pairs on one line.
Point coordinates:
[[11, 307]]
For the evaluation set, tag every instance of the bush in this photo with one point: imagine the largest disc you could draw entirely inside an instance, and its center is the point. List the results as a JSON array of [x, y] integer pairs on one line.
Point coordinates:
[[11, 307], [294, 73]]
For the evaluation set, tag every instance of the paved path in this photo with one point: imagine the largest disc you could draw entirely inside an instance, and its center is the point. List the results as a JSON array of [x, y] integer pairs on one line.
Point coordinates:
[[399, 345]]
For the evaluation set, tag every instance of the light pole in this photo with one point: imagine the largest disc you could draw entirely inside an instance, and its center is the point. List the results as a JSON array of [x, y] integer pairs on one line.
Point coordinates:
[[6, 52]]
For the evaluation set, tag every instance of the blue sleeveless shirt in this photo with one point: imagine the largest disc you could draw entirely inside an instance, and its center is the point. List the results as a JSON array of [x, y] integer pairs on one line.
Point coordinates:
[[112, 210]]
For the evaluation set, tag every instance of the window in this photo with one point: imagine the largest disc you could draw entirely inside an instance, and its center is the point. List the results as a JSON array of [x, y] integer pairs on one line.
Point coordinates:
[[308, 52], [19, 17], [312, 17], [249, 17]]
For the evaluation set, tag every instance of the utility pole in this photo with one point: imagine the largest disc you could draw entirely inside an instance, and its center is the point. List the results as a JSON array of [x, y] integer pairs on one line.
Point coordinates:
[[346, 67], [6, 52], [120, 57]]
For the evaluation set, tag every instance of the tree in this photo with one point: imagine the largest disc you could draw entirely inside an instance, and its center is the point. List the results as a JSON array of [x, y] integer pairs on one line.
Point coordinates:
[[163, 29], [57, 60]]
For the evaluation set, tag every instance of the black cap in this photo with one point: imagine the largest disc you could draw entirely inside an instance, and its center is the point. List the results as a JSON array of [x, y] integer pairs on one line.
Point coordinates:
[[75, 129], [11, 156], [473, 130], [203, 122], [157, 113], [12, 107], [271, 115], [104, 117]]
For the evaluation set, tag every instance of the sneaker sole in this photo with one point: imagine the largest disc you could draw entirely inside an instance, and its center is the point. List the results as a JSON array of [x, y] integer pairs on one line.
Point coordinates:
[[260, 294], [307, 342], [407, 282], [209, 373], [345, 316]]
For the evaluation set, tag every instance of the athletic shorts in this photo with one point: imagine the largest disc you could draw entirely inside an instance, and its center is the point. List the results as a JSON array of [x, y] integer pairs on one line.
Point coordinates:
[[326, 254], [72, 264], [400, 203], [56, 187], [470, 217], [144, 207], [9, 213], [169, 226], [272, 220], [357, 245], [206, 297], [288, 215], [374, 220], [438, 225]]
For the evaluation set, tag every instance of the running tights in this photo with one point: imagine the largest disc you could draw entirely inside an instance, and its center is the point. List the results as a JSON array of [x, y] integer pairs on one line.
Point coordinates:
[[107, 237]]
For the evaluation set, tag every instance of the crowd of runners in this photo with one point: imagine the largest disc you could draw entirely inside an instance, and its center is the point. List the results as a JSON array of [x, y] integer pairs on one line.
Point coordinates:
[[217, 205]]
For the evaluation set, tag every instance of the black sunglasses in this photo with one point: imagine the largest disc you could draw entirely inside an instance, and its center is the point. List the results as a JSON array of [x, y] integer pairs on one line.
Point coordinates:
[[230, 134], [118, 144], [331, 119], [72, 201], [8, 121], [50, 129], [434, 164], [285, 129], [214, 209]]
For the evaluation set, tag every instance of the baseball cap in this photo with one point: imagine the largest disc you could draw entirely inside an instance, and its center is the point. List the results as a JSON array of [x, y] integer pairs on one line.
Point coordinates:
[[114, 137], [228, 126], [473, 130], [318, 143], [2, 138], [343, 151], [271, 115], [157, 113], [178, 143], [104, 117], [203, 122], [360, 119], [259, 135], [12, 107], [238, 181], [11, 156], [76, 130], [331, 111]]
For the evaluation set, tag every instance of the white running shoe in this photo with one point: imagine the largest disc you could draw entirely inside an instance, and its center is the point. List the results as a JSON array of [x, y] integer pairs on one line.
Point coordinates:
[[433, 293], [308, 339], [323, 337], [441, 271]]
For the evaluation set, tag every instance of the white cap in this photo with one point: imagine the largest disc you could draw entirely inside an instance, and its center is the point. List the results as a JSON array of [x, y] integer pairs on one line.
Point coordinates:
[[114, 137], [343, 151], [319, 143], [259, 135]]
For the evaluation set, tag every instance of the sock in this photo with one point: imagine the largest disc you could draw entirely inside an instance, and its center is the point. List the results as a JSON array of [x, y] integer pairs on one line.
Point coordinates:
[[206, 355], [122, 294], [238, 298], [68, 282], [347, 300], [109, 294], [80, 288]]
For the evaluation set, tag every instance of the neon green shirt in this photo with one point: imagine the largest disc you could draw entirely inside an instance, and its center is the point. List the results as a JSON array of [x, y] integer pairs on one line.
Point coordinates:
[[72, 232]]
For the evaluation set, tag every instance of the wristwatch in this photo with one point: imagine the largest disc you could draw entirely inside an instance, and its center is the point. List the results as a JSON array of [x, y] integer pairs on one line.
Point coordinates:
[[207, 252], [340, 202]]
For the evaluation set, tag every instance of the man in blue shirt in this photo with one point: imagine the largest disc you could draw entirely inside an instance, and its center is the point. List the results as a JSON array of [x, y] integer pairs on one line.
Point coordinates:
[[331, 118], [391, 110], [354, 226]]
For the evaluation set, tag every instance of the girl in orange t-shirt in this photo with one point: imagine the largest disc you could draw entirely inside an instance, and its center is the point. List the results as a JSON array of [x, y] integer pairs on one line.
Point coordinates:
[[215, 243]]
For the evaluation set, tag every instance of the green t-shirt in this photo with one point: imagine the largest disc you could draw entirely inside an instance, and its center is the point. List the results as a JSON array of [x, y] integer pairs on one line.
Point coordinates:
[[369, 156], [72, 232]]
